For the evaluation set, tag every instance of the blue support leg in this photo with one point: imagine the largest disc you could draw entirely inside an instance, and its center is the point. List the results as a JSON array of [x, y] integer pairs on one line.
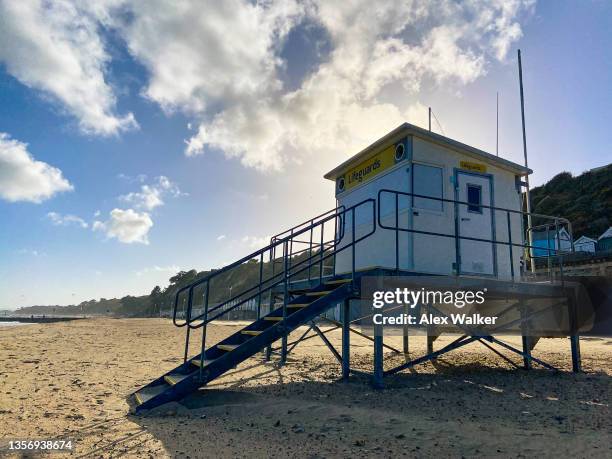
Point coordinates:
[[377, 381], [346, 336], [525, 337], [574, 337]]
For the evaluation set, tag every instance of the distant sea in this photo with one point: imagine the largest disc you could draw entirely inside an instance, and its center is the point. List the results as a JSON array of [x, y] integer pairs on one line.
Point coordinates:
[[12, 324]]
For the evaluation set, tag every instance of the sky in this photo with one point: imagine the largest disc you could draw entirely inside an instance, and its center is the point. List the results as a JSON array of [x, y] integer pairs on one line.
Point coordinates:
[[138, 139]]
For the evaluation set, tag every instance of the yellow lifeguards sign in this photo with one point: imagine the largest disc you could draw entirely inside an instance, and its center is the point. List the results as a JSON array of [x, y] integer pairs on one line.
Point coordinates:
[[367, 170], [473, 167]]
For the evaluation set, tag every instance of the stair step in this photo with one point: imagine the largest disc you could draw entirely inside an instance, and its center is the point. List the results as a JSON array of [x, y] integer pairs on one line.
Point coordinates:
[[252, 332], [323, 293], [174, 379], [197, 362], [298, 305], [338, 281], [273, 319], [227, 347], [146, 394]]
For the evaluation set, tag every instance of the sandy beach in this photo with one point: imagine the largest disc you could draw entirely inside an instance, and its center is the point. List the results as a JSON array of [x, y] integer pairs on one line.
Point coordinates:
[[71, 381]]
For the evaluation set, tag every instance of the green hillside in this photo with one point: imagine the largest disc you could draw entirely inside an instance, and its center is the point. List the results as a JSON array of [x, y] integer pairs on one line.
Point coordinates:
[[585, 200]]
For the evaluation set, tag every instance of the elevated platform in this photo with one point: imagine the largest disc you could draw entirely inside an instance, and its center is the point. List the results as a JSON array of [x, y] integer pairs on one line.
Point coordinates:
[[294, 281]]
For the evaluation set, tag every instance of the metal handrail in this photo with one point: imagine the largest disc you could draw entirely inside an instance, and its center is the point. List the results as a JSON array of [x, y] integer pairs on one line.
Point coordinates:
[[260, 252], [266, 285], [319, 257], [254, 295], [456, 235], [310, 221]]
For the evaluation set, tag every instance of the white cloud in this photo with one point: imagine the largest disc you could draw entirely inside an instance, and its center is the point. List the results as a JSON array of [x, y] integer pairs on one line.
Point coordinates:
[[132, 179], [22, 178], [127, 226], [66, 220], [220, 63], [150, 196], [221, 237], [338, 107], [256, 242], [202, 52], [56, 47]]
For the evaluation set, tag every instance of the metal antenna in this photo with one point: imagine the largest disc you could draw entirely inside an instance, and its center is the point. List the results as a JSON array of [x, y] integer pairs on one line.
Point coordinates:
[[527, 197], [437, 121]]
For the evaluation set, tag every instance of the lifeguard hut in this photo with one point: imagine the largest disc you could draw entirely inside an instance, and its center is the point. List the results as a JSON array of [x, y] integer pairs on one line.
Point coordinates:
[[413, 203], [421, 178]]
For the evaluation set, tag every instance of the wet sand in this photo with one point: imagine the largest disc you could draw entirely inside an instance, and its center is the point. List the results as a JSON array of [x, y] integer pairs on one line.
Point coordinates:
[[71, 380]]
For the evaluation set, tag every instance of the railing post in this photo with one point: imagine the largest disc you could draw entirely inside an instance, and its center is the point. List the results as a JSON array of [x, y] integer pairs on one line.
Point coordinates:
[[335, 244], [321, 254], [268, 351], [285, 295], [353, 244], [310, 251], [290, 246], [396, 232], [187, 320], [204, 327], [559, 254], [261, 258], [405, 341], [510, 245], [548, 259], [457, 245]]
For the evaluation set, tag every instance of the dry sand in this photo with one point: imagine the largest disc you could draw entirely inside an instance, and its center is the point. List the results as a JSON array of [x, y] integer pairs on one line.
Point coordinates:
[[71, 380]]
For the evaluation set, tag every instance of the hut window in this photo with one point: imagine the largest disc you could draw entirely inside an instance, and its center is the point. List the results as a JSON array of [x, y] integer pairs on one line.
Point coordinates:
[[474, 198], [427, 181]]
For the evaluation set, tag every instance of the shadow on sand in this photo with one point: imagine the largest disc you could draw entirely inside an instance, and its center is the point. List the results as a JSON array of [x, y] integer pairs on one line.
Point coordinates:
[[258, 420]]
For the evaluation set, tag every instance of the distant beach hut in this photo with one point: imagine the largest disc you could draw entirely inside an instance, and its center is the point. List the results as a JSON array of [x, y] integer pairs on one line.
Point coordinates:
[[585, 244], [604, 242], [546, 242]]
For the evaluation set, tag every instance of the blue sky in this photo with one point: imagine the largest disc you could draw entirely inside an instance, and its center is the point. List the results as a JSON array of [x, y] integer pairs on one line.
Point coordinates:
[[142, 139]]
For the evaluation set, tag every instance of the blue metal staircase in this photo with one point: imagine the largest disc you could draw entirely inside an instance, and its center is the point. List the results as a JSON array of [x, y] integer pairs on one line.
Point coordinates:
[[225, 355], [305, 284]]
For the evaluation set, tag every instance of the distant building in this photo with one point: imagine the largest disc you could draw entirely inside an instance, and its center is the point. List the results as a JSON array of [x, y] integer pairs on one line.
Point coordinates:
[[546, 242], [585, 244], [604, 242]]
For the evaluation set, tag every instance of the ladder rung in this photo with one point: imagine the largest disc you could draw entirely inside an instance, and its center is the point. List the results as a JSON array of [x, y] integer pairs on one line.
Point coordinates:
[[273, 318], [252, 332], [196, 362], [227, 347], [298, 305]]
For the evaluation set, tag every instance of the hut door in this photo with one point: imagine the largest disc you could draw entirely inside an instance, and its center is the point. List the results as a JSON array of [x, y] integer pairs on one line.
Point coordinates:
[[475, 221]]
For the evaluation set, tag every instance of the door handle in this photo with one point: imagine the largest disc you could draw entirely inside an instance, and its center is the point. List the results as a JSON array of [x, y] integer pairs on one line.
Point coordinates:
[[415, 213], [463, 219]]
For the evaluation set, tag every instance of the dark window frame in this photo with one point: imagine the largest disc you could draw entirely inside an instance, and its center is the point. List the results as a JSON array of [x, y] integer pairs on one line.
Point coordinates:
[[474, 208]]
